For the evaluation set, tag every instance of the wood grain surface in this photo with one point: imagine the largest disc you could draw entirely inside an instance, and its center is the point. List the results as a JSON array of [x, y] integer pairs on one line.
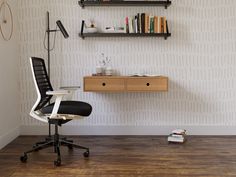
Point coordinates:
[[125, 156]]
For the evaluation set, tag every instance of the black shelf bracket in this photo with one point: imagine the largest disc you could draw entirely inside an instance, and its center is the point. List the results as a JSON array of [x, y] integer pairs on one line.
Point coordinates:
[[81, 3], [167, 29], [167, 2], [82, 29]]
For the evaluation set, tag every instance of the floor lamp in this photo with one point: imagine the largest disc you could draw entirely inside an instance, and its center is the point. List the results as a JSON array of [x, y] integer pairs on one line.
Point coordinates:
[[48, 32]]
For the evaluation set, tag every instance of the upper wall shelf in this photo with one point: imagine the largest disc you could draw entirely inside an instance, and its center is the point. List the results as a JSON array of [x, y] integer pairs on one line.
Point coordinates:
[[165, 4]]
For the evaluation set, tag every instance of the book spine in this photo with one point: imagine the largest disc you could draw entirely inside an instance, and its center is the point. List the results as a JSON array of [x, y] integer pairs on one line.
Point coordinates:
[[131, 29], [176, 136], [162, 24], [135, 24], [155, 24], [151, 24], [164, 21], [143, 22], [127, 25], [146, 23], [159, 25], [138, 23]]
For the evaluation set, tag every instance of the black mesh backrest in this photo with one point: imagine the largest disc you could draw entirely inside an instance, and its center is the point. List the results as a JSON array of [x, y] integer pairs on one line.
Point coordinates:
[[42, 81]]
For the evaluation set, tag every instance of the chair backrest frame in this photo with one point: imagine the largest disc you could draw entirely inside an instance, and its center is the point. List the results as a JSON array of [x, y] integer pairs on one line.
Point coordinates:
[[42, 85]]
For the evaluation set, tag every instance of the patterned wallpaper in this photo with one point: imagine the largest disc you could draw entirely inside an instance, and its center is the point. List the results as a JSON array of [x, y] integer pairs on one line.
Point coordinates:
[[199, 60]]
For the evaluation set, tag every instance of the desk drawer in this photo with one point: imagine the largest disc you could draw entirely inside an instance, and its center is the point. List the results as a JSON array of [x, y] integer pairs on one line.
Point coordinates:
[[147, 84], [104, 84]]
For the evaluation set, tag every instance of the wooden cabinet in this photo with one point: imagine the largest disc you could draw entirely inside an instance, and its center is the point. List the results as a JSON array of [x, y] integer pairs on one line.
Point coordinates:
[[125, 84]]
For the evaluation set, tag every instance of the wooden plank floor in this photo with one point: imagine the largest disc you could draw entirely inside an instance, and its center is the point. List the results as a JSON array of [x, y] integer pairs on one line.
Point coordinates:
[[125, 156]]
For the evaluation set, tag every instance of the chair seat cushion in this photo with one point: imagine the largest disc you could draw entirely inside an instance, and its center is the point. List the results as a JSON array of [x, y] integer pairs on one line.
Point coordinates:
[[70, 107]]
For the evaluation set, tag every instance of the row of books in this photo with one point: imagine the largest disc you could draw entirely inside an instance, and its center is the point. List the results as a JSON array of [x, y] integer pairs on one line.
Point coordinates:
[[177, 136], [145, 23]]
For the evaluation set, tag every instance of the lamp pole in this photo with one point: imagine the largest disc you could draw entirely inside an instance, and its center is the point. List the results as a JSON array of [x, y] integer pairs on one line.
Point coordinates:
[[48, 50], [48, 31]]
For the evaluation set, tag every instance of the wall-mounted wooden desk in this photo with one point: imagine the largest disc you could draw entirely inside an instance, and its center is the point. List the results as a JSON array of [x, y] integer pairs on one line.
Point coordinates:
[[125, 84]]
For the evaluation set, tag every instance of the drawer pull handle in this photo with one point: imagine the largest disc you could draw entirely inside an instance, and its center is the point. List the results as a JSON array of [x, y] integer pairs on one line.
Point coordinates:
[[148, 84], [103, 84]]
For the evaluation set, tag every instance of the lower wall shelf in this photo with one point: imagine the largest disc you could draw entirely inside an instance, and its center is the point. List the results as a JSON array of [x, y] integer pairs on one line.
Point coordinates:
[[125, 84], [99, 34]]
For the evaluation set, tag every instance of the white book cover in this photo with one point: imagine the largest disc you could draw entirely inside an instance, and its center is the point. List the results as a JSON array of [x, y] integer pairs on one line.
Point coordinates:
[[177, 136], [179, 131], [173, 139], [131, 29]]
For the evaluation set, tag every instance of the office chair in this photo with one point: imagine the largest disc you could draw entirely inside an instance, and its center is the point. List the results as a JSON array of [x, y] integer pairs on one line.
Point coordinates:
[[57, 113]]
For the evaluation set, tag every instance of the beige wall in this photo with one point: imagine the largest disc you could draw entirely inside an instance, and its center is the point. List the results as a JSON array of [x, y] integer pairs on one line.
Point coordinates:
[[199, 59], [9, 85]]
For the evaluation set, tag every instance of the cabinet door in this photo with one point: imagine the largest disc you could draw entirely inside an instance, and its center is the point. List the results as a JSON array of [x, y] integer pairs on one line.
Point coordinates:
[[147, 84], [104, 84]]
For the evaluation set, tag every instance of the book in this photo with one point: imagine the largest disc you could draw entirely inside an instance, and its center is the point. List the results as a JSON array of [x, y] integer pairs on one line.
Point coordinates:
[[176, 135], [151, 24], [147, 23], [155, 24], [143, 23], [159, 25], [176, 140], [127, 24], [179, 131], [136, 24], [164, 24], [131, 27]]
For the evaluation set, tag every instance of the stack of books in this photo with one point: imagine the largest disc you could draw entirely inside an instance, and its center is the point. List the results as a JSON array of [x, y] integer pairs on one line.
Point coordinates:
[[145, 23], [177, 136]]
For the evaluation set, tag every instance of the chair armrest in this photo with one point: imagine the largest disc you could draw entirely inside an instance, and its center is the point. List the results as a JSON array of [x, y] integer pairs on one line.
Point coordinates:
[[58, 92], [59, 95], [71, 88]]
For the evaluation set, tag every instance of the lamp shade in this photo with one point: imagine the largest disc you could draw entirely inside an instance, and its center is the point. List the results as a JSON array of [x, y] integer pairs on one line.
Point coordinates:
[[62, 29]]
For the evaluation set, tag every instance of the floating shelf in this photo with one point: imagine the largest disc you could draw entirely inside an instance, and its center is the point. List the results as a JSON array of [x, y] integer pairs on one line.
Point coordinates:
[[165, 4], [84, 35], [164, 35]]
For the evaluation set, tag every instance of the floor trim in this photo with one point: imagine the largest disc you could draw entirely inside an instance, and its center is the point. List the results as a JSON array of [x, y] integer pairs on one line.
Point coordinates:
[[9, 137], [129, 130]]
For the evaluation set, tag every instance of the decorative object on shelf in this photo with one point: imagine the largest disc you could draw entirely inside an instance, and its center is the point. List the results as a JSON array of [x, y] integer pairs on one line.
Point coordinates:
[[163, 3], [104, 68], [109, 71], [91, 28], [114, 29], [99, 70], [6, 21]]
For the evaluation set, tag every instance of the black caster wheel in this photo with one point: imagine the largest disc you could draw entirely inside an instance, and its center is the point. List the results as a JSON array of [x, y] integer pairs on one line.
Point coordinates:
[[86, 154], [70, 147], [57, 162], [23, 158]]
